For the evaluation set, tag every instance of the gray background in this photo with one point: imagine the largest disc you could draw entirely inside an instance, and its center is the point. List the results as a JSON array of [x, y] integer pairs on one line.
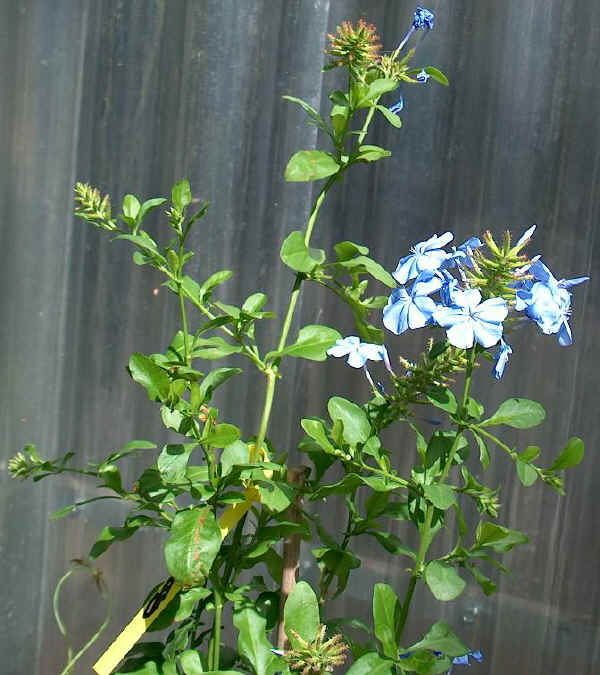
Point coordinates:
[[133, 95]]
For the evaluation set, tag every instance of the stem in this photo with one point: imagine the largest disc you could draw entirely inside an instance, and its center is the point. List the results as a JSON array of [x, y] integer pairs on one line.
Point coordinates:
[[426, 537], [328, 578], [497, 441], [215, 651]]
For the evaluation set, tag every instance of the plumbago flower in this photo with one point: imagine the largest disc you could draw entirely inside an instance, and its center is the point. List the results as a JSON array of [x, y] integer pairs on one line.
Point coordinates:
[[426, 255], [413, 308], [358, 352]]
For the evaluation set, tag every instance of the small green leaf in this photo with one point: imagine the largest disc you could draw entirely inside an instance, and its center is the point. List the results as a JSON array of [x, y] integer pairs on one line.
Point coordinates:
[[357, 427], [149, 205], [253, 643], [107, 537], [301, 613], [315, 429], [173, 459], [215, 379], [391, 117], [308, 165], [443, 581], [181, 195], [221, 435], [570, 456], [296, 254], [371, 153], [348, 249], [131, 206], [441, 496], [484, 453], [372, 664], [213, 348], [440, 638], [190, 662], [234, 454], [498, 538], [437, 75], [192, 546], [425, 662], [530, 453], [377, 89], [443, 397], [527, 474], [312, 343], [520, 413], [386, 611], [214, 280], [364, 265], [144, 371]]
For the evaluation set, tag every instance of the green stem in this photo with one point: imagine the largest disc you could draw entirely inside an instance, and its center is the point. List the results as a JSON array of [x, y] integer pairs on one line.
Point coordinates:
[[215, 642], [426, 537], [328, 577], [497, 441]]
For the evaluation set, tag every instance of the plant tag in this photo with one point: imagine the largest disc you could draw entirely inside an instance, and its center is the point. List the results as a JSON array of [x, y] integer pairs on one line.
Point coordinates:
[[163, 595], [136, 627]]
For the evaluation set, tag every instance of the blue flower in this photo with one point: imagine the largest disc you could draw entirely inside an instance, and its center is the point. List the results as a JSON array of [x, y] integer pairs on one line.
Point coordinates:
[[411, 308], [398, 106], [358, 352], [449, 288], [464, 660], [471, 320], [463, 254], [501, 359], [423, 18], [426, 255], [422, 76], [525, 237], [547, 302]]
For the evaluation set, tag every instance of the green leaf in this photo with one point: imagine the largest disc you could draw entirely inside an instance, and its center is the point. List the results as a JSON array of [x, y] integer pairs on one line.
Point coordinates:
[[301, 613], [437, 75], [144, 371], [527, 474], [487, 585], [391, 117], [441, 496], [131, 206], [214, 280], [215, 379], [386, 611], [348, 249], [221, 435], [520, 413], [357, 427], [371, 153], [315, 429], [147, 206], [391, 543], [443, 581], [188, 601], [253, 643], [307, 165], [350, 482], [371, 664], [425, 662], [443, 397], [440, 638], [108, 536], [312, 343], [498, 538], [213, 348], [377, 89], [234, 454], [192, 546], [363, 264], [484, 453], [190, 662], [570, 456], [530, 453], [173, 459], [317, 120], [296, 254], [254, 303], [181, 195]]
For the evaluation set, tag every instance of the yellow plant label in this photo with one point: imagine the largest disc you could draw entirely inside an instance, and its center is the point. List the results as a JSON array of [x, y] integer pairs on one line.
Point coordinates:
[[165, 593]]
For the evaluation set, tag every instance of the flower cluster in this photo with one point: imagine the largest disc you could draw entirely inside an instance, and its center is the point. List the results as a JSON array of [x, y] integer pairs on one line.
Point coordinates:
[[470, 296], [354, 47], [318, 656]]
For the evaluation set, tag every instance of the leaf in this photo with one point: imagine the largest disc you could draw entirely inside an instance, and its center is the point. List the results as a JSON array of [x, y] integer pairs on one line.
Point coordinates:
[[275, 496], [108, 536], [527, 474], [308, 165], [131, 206], [192, 546], [234, 454], [296, 254], [348, 249], [215, 379], [172, 461], [570, 456], [254, 303], [144, 371], [310, 111], [363, 264], [213, 348], [301, 613], [440, 638], [181, 195], [311, 343], [357, 427], [437, 75], [315, 429], [530, 453], [371, 664], [498, 538], [337, 562], [188, 601], [221, 435], [443, 397], [386, 611], [441, 496], [371, 153], [520, 413], [190, 662], [391, 117], [214, 280], [425, 662], [147, 206], [252, 641], [376, 89], [484, 453], [443, 581], [350, 482]]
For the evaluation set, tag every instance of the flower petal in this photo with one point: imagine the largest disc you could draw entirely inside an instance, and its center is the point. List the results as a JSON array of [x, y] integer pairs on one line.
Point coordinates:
[[494, 310], [406, 269], [395, 317], [461, 334], [435, 242], [371, 352], [565, 337], [487, 334], [356, 359]]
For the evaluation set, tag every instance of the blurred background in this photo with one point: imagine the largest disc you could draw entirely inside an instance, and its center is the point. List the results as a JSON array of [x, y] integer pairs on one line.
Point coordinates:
[[132, 95]]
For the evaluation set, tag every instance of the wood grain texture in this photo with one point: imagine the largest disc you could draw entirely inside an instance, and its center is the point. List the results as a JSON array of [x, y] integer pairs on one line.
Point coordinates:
[[132, 95]]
